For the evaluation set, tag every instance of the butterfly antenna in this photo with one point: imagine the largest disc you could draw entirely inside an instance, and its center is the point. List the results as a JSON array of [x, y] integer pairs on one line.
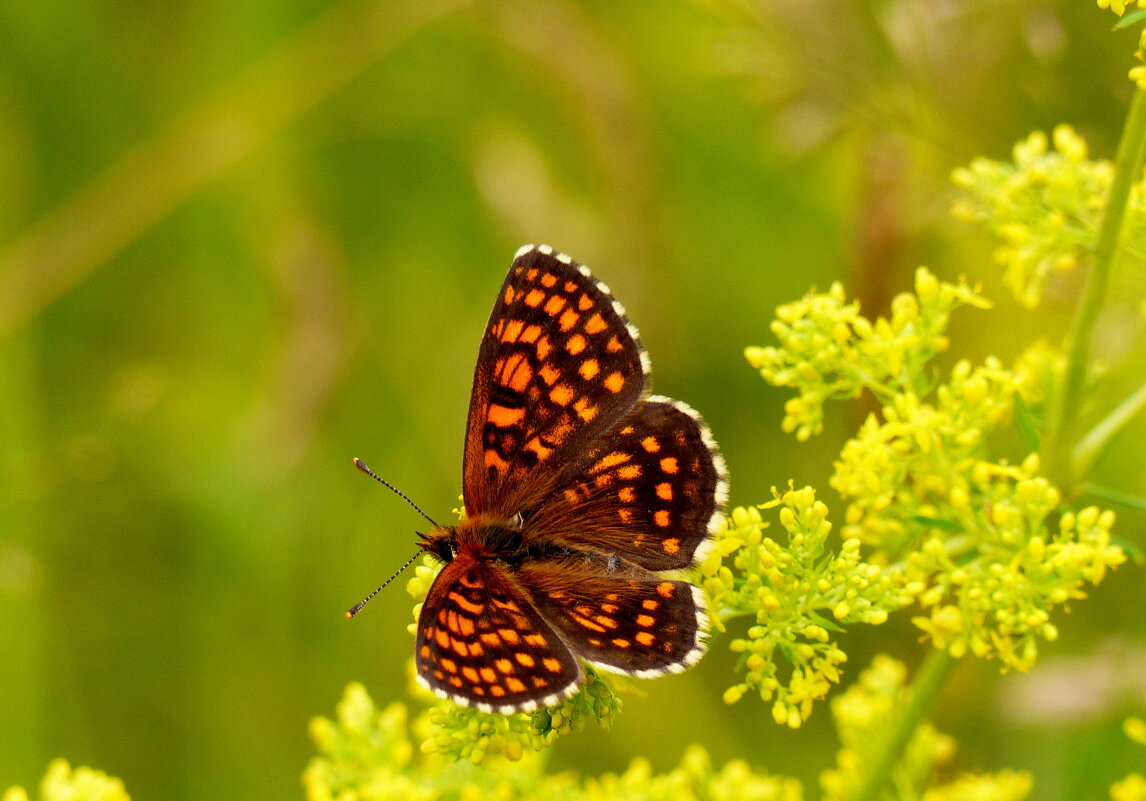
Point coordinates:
[[361, 465], [354, 610]]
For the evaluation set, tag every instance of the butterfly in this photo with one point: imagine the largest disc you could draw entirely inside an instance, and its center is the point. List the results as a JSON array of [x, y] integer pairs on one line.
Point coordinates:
[[580, 489]]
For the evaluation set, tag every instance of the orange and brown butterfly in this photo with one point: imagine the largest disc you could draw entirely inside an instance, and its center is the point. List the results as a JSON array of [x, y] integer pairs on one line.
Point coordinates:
[[580, 488]]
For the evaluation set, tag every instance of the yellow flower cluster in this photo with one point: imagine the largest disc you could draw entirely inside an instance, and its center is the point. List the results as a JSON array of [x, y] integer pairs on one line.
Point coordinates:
[[900, 471], [1138, 73], [61, 783], [991, 586], [798, 595], [861, 714], [460, 732], [365, 748], [693, 780], [1045, 207], [367, 754], [1118, 6], [829, 351], [979, 542]]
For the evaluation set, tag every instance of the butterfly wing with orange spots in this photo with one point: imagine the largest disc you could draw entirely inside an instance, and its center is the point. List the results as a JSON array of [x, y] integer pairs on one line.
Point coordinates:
[[559, 364], [650, 490], [619, 616], [481, 642]]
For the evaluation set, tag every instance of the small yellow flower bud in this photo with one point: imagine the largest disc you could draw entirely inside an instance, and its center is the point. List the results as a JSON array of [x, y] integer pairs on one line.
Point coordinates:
[[757, 357], [1069, 144], [875, 617], [1132, 788], [1135, 729], [780, 713], [734, 693], [814, 632], [926, 285], [948, 618], [1088, 516]]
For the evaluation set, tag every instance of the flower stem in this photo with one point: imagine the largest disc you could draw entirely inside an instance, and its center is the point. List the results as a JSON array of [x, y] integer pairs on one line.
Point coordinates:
[[1127, 168], [1091, 444], [932, 675]]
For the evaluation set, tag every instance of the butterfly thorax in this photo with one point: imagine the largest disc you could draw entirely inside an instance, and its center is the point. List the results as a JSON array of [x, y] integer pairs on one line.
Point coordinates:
[[481, 538]]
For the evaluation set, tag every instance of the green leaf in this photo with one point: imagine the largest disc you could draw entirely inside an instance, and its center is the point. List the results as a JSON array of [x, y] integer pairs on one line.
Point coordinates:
[[1114, 496], [941, 523], [1137, 15], [1025, 420]]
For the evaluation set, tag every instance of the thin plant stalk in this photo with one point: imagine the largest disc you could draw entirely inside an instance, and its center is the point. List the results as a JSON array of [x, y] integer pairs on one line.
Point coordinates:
[[1127, 168], [929, 681]]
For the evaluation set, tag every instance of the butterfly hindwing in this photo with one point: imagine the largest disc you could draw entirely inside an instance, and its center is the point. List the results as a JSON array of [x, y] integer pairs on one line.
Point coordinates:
[[651, 490], [619, 616], [481, 642]]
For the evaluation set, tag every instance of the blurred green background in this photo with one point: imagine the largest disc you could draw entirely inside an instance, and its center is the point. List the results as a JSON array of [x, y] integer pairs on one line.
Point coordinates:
[[242, 242]]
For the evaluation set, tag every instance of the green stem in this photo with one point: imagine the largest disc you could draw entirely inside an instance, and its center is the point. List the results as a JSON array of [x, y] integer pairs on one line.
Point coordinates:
[[1091, 445], [1127, 168], [932, 675]]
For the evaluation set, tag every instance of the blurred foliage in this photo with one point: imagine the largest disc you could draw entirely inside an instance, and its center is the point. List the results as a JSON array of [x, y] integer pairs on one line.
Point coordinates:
[[243, 242]]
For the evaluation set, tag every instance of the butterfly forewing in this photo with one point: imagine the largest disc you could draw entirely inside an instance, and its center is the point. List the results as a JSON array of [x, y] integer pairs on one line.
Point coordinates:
[[482, 643], [559, 364]]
